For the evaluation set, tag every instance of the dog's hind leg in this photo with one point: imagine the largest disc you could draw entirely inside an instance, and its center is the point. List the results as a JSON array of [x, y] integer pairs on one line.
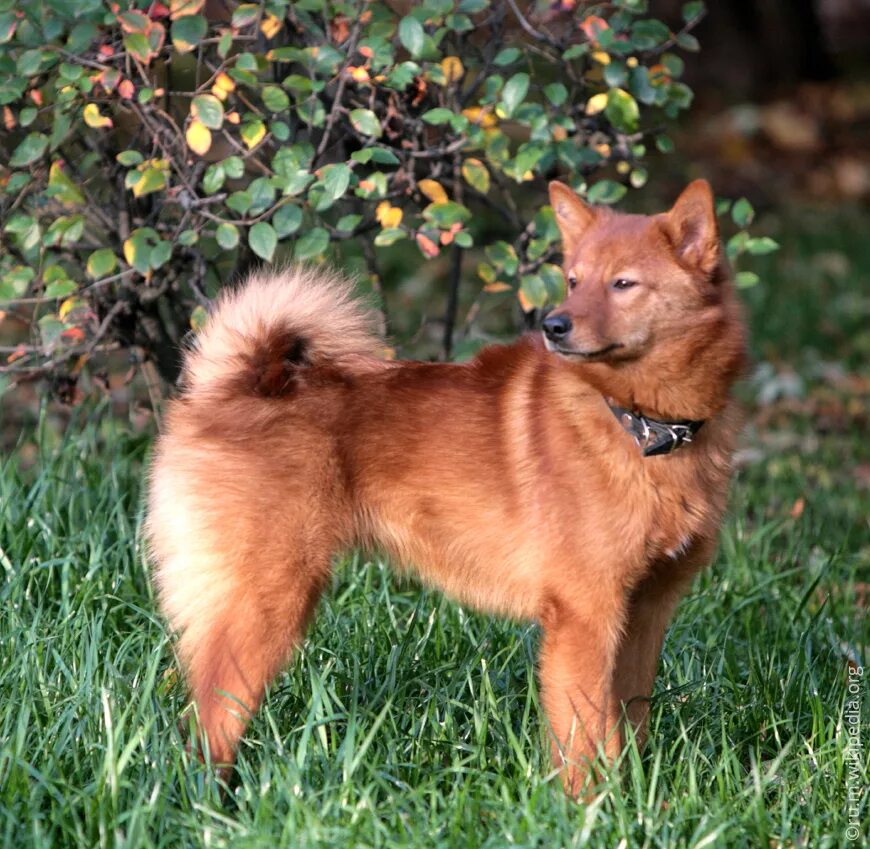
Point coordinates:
[[234, 657], [238, 580]]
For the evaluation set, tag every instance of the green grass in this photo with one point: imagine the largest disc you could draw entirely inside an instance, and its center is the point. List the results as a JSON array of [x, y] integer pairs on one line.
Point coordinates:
[[407, 721]]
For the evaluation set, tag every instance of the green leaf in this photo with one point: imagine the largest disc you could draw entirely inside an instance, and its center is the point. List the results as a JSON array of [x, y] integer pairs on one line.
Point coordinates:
[[50, 329], [513, 93], [366, 122], [62, 187], [556, 93], [390, 236], [534, 288], [101, 262], [762, 245], [31, 148], [692, 10], [198, 317], [606, 191], [347, 223], [742, 213], [554, 281], [160, 254], [445, 215], [152, 180], [275, 99], [381, 155], [187, 32], [312, 244], [234, 166], [287, 219], [208, 110], [615, 73], [335, 180], [745, 279], [412, 35], [622, 110], [240, 202], [213, 178], [263, 240], [252, 133], [14, 282], [245, 14], [29, 62], [262, 194], [506, 57], [649, 34], [437, 116], [129, 158], [688, 42], [186, 238], [227, 236], [476, 175], [60, 288]]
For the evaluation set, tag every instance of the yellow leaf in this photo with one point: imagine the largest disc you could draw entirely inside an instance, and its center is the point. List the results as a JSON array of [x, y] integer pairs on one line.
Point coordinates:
[[93, 118], [129, 251], [388, 216], [198, 137], [498, 286], [270, 26], [603, 149], [433, 190], [597, 103], [452, 67], [601, 57], [476, 175], [480, 116], [182, 8], [359, 73], [223, 85], [67, 306], [253, 134], [631, 61]]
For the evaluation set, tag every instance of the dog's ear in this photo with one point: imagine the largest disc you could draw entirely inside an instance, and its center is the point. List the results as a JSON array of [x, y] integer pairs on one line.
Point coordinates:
[[692, 229], [572, 215]]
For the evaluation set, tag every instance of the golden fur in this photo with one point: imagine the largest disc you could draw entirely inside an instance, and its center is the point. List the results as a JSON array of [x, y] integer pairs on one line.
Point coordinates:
[[506, 481]]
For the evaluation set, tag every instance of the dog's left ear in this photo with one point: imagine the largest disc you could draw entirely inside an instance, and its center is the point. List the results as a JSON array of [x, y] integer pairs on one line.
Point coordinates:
[[692, 228], [572, 215]]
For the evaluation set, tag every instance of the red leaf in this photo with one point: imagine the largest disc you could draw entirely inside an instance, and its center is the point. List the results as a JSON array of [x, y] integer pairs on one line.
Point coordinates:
[[593, 26], [427, 246]]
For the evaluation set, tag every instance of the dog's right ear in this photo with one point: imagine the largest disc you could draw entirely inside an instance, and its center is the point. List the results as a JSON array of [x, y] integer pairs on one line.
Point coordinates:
[[572, 215]]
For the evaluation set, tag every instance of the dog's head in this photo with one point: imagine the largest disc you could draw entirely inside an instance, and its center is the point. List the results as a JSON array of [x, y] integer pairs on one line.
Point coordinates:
[[633, 280]]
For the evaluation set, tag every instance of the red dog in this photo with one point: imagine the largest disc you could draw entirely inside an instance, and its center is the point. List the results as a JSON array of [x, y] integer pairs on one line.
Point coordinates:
[[575, 478]]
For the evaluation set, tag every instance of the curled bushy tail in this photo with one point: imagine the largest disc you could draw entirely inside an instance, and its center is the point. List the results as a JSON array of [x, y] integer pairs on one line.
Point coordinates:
[[260, 334]]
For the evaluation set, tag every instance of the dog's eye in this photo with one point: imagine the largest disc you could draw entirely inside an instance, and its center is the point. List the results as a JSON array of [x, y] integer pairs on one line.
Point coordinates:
[[572, 282], [622, 283]]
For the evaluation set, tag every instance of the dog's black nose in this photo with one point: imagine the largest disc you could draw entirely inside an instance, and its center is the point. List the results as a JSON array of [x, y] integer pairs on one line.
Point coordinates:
[[557, 327]]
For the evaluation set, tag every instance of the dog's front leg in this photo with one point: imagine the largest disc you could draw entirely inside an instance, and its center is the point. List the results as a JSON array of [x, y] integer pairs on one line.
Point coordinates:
[[576, 671]]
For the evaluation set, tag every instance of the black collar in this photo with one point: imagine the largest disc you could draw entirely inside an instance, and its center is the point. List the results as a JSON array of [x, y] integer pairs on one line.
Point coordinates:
[[654, 436]]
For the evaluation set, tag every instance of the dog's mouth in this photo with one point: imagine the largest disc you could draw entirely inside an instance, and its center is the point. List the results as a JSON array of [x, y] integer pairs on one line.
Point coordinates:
[[583, 355]]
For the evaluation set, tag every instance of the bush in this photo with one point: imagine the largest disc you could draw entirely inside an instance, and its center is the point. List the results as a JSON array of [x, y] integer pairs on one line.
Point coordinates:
[[152, 150]]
